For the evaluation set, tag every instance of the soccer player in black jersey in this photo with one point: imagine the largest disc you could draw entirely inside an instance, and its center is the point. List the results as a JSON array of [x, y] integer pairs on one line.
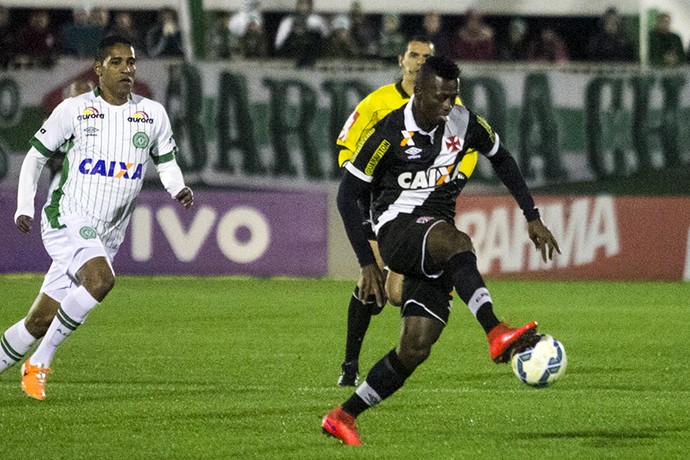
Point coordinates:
[[356, 130], [415, 164]]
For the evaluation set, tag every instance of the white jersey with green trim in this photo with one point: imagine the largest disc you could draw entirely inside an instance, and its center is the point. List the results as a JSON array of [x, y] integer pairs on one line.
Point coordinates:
[[104, 170]]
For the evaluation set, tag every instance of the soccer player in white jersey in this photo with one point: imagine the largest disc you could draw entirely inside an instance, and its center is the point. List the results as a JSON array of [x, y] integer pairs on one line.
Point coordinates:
[[115, 134]]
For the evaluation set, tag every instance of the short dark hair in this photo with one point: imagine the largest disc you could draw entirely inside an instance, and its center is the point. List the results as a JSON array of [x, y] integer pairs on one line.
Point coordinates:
[[107, 42], [439, 66], [420, 38]]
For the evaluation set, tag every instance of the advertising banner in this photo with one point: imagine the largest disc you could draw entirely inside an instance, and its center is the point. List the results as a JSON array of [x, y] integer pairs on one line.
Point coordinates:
[[600, 237], [241, 124], [261, 233]]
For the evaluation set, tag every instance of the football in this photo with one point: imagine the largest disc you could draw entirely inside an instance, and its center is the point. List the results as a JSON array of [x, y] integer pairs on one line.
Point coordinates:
[[542, 364]]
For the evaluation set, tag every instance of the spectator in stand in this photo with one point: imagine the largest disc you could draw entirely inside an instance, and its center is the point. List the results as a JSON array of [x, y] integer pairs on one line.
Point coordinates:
[[80, 37], [239, 21], [299, 31], [123, 25], [37, 42], [8, 39], [548, 46], [391, 42], [254, 43], [609, 43], [665, 47], [220, 41], [474, 40], [361, 30], [514, 47], [164, 38], [100, 17], [340, 44], [432, 29], [247, 29]]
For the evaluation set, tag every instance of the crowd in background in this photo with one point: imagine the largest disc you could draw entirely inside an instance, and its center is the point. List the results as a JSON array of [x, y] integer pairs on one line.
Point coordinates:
[[37, 38]]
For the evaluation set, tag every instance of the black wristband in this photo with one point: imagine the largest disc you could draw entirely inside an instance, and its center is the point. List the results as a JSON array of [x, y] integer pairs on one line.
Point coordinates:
[[532, 214]]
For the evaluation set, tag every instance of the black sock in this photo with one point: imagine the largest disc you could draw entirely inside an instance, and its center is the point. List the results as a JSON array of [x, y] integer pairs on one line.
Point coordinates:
[[385, 378], [358, 319], [486, 317], [466, 278]]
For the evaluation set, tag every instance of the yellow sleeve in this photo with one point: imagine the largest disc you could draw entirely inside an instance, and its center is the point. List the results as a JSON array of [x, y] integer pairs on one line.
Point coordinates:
[[361, 120]]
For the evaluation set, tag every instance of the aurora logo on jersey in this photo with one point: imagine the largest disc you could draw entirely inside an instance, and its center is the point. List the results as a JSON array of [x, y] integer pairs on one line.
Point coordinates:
[[116, 169], [430, 178], [90, 113], [140, 117]]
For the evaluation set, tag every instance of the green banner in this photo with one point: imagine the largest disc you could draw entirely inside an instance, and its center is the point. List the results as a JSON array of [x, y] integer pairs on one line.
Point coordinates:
[[255, 124]]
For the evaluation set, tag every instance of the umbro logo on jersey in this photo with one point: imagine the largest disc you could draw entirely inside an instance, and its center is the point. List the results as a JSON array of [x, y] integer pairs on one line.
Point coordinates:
[[89, 113], [413, 153], [116, 169], [140, 117], [91, 131]]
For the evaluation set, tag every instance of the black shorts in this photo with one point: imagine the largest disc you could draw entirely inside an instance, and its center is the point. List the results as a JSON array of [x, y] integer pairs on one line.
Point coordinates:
[[427, 297], [402, 244]]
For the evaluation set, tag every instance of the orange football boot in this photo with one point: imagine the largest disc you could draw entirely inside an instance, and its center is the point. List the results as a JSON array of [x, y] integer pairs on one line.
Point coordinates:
[[34, 380]]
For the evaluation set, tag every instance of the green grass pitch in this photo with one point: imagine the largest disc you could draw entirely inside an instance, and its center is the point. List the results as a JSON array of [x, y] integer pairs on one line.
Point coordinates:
[[191, 368]]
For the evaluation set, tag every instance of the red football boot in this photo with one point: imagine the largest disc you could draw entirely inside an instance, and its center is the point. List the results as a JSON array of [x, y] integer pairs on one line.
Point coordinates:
[[503, 340], [341, 425]]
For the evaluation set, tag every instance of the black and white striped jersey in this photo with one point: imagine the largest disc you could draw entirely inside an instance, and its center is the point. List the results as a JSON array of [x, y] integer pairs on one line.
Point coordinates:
[[419, 173]]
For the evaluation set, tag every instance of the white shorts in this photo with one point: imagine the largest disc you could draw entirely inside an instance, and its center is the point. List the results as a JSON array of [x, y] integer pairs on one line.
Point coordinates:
[[70, 247]]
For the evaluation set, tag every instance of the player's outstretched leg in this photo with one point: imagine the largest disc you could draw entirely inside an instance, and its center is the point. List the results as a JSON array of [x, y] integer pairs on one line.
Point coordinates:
[[71, 314], [469, 285], [386, 377]]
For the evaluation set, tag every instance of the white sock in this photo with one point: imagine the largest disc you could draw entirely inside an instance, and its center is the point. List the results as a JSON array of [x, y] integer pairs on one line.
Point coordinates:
[[71, 314], [14, 344], [479, 298]]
